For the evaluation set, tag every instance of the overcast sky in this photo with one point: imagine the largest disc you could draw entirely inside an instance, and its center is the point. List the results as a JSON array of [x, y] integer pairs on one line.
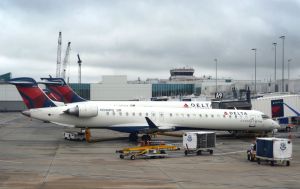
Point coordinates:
[[144, 38]]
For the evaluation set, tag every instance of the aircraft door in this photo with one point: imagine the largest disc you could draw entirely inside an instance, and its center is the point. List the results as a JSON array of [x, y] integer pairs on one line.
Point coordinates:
[[252, 121]]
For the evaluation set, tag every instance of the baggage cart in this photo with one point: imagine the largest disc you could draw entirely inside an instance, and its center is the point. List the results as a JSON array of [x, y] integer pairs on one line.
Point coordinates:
[[274, 150], [197, 142]]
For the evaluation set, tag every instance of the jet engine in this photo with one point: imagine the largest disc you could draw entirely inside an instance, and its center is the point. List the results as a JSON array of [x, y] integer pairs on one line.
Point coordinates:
[[83, 111]]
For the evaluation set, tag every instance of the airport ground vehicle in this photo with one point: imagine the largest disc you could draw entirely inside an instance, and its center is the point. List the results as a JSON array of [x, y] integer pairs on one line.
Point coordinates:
[[73, 135], [197, 142], [274, 150], [151, 151]]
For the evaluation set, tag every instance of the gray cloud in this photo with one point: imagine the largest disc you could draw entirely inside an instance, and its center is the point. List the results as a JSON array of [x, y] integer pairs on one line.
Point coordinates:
[[147, 38]]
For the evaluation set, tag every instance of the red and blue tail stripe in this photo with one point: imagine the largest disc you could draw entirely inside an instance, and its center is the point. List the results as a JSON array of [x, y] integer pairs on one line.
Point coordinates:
[[32, 95], [59, 87]]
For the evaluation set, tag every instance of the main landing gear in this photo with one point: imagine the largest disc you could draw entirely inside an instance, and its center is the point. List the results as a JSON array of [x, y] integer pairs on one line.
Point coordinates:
[[133, 137]]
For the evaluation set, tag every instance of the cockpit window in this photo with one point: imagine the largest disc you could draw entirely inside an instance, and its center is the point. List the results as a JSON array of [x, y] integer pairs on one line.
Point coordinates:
[[265, 116]]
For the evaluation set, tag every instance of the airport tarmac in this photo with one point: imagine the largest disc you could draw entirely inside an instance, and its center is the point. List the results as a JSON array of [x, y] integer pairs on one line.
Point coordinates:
[[34, 154]]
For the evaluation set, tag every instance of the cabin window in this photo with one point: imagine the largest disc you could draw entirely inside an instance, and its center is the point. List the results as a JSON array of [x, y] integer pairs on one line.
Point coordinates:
[[188, 115], [200, 115], [140, 114], [194, 115], [212, 115], [170, 114], [147, 114], [107, 113], [206, 115], [153, 114], [126, 113], [133, 113], [177, 114], [114, 113], [120, 113]]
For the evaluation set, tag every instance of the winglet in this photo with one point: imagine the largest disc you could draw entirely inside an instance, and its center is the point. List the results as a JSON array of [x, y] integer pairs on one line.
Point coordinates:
[[150, 123]]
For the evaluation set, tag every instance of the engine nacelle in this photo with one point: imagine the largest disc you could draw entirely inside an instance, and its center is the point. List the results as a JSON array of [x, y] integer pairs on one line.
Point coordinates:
[[83, 111]]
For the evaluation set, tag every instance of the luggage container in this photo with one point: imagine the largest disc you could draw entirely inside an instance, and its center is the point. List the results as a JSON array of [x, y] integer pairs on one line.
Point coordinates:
[[196, 142], [274, 150]]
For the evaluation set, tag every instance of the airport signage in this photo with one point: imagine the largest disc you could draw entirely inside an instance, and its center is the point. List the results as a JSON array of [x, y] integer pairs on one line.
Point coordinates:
[[218, 95], [277, 108]]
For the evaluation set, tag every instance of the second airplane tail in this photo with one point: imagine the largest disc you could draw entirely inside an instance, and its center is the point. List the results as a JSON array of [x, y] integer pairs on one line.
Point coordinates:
[[32, 95], [62, 90]]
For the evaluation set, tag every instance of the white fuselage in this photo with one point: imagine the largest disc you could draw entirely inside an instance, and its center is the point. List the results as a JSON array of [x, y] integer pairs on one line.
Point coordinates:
[[165, 104], [129, 119]]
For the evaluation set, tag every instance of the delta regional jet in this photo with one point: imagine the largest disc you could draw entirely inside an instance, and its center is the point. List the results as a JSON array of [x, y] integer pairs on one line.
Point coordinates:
[[137, 119]]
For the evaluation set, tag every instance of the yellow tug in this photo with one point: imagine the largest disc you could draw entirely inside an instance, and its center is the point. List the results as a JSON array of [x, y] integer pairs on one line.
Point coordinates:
[[147, 151]]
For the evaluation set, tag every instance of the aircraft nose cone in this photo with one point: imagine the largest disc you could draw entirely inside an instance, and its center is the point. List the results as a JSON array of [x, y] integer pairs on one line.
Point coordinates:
[[26, 113]]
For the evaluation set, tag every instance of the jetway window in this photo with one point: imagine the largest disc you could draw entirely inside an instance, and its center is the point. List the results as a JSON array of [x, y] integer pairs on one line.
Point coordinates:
[[265, 116]]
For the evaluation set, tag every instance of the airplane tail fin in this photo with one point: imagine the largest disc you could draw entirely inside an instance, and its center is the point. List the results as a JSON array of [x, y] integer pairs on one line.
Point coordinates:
[[32, 95], [62, 91]]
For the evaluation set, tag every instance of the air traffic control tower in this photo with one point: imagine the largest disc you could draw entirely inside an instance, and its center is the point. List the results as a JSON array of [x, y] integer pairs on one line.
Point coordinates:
[[182, 74]]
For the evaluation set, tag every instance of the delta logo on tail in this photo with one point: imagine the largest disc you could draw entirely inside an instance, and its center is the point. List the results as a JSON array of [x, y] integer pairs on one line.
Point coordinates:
[[32, 95], [62, 91]]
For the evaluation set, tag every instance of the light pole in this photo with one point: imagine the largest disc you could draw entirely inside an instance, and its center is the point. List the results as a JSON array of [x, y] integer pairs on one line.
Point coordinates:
[[254, 49], [275, 86], [282, 82], [216, 60], [289, 60]]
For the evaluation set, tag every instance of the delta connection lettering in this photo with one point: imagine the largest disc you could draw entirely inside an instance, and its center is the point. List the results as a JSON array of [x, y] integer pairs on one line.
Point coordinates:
[[198, 105], [235, 113]]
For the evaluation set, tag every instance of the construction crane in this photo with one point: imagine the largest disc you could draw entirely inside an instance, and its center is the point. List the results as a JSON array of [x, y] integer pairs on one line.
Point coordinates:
[[66, 61], [58, 55], [79, 69]]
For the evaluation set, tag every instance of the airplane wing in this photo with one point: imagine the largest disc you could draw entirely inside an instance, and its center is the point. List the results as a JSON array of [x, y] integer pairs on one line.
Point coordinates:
[[159, 127]]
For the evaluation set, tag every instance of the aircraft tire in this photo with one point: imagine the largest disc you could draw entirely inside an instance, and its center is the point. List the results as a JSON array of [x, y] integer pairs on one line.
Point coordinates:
[[146, 138], [133, 137], [132, 157], [185, 152]]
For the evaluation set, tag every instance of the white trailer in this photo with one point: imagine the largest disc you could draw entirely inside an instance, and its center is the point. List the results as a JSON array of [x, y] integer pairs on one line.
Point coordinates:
[[274, 150], [196, 142]]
